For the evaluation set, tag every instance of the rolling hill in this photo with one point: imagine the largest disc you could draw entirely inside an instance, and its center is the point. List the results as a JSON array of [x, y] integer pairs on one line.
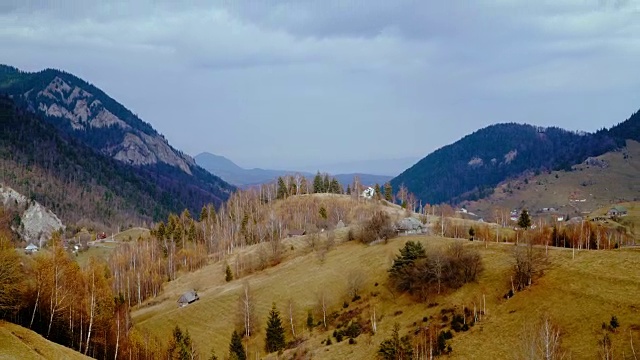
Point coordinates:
[[595, 183], [236, 175], [579, 294], [470, 168], [116, 143]]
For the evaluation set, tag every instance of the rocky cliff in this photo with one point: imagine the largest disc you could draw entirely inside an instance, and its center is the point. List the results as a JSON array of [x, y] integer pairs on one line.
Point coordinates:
[[37, 223]]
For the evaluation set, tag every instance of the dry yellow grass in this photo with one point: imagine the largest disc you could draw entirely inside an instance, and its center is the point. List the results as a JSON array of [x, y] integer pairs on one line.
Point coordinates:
[[579, 294], [599, 187], [17, 342]]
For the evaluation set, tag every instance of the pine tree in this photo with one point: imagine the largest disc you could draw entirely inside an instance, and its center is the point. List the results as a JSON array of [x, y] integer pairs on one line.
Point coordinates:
[[524, 222], [181, 346], [348, 189], [388, 192], [228, 274], [377, 189], [323, 212], [282, 189], [395, 347], [275, 332], [309, 320], [317, 183], [335, 187], [236, 350], [326, 183]]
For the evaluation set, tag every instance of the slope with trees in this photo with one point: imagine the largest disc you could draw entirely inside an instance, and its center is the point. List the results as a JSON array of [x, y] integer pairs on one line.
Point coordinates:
[[470, 168], [81, 111]]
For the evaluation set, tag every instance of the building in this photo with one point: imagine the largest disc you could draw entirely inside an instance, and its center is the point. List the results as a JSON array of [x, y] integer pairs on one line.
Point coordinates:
[[410, 225], [296, 232], [31, 248], [369, 193], [187, 298], [617, 211]]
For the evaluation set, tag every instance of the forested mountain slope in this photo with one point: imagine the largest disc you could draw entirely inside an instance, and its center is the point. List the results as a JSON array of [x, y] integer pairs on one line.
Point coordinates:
[[77, 183], [85, 113], [470, 168]]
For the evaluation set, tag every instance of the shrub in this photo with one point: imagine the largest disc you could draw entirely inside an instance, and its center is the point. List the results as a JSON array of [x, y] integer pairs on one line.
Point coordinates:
[[614, 322]]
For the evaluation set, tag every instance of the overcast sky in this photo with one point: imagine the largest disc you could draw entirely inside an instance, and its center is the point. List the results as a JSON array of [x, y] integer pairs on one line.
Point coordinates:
[[293, 83]]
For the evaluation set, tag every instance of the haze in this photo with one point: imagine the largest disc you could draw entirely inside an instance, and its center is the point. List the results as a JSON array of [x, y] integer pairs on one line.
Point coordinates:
[[297, 84]]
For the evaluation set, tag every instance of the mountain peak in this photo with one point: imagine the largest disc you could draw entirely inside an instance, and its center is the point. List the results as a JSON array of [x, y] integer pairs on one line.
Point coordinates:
[[75, 106]]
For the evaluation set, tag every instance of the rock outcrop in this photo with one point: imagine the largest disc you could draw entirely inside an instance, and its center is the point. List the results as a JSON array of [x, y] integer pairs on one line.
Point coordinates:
[[37, 222]]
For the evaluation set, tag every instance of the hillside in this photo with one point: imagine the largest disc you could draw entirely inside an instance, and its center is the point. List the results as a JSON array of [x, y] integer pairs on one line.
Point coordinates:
[[236, 175], [470, 168], [17, 342], [77, 183], [83, 112], [578, 294], [596, 183]]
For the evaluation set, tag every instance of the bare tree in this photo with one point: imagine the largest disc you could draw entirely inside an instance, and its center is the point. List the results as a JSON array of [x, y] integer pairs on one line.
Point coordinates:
[[291, 322], [321, 303], [355, 281], [247, 307], [541, 340]]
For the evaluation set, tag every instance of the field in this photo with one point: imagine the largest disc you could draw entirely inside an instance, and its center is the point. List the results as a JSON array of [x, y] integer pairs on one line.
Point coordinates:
[[579, 294], [103, 249], [17, 342], [575, 193]]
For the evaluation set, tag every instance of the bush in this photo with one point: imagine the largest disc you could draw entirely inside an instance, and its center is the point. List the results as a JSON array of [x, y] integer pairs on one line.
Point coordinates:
[[614, 322], [352, 341], [379, 227]]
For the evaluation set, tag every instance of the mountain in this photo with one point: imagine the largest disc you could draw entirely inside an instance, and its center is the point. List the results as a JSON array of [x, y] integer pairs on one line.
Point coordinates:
[[470, 168], [236, 175], [596, 183], [387, 167], [72, 112]]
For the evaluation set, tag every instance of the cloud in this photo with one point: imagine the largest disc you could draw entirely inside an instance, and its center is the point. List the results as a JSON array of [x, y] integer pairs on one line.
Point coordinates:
[[427, 72]]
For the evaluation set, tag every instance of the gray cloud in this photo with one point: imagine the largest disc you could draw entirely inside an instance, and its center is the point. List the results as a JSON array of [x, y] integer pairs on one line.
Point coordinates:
[[292, 83]]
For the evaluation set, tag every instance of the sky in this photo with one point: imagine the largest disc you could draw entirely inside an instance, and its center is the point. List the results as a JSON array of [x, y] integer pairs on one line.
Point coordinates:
[[294, 84]]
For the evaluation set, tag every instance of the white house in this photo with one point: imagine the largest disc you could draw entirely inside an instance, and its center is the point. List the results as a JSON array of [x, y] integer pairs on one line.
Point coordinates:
[[369, 193], [31, 248]]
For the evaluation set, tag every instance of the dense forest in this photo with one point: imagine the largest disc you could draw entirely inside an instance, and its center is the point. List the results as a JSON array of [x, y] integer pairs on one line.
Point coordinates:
[[170, 180], [78, 183], [470, 168]]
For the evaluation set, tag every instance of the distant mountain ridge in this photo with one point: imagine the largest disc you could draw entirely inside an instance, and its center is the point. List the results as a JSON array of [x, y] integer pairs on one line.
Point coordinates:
[[79, 112], [234, 174], [470, 168]]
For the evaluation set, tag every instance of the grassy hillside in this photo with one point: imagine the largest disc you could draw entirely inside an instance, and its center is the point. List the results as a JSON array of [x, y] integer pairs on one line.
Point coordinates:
[[17, 342], [599, 187], [579, 294]]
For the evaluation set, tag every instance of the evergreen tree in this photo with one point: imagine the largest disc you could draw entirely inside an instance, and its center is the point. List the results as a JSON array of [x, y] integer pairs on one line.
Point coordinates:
[[524, 222], [377, 189], [348, 189], [323, 212], [309, 320], [275, 332], [282, 189], [204, 213], [395, 348], [317, 183], [181, 346], [335, 187], [303, 185], [228, 274], [326, 183], [388, 192], [236, 350]]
